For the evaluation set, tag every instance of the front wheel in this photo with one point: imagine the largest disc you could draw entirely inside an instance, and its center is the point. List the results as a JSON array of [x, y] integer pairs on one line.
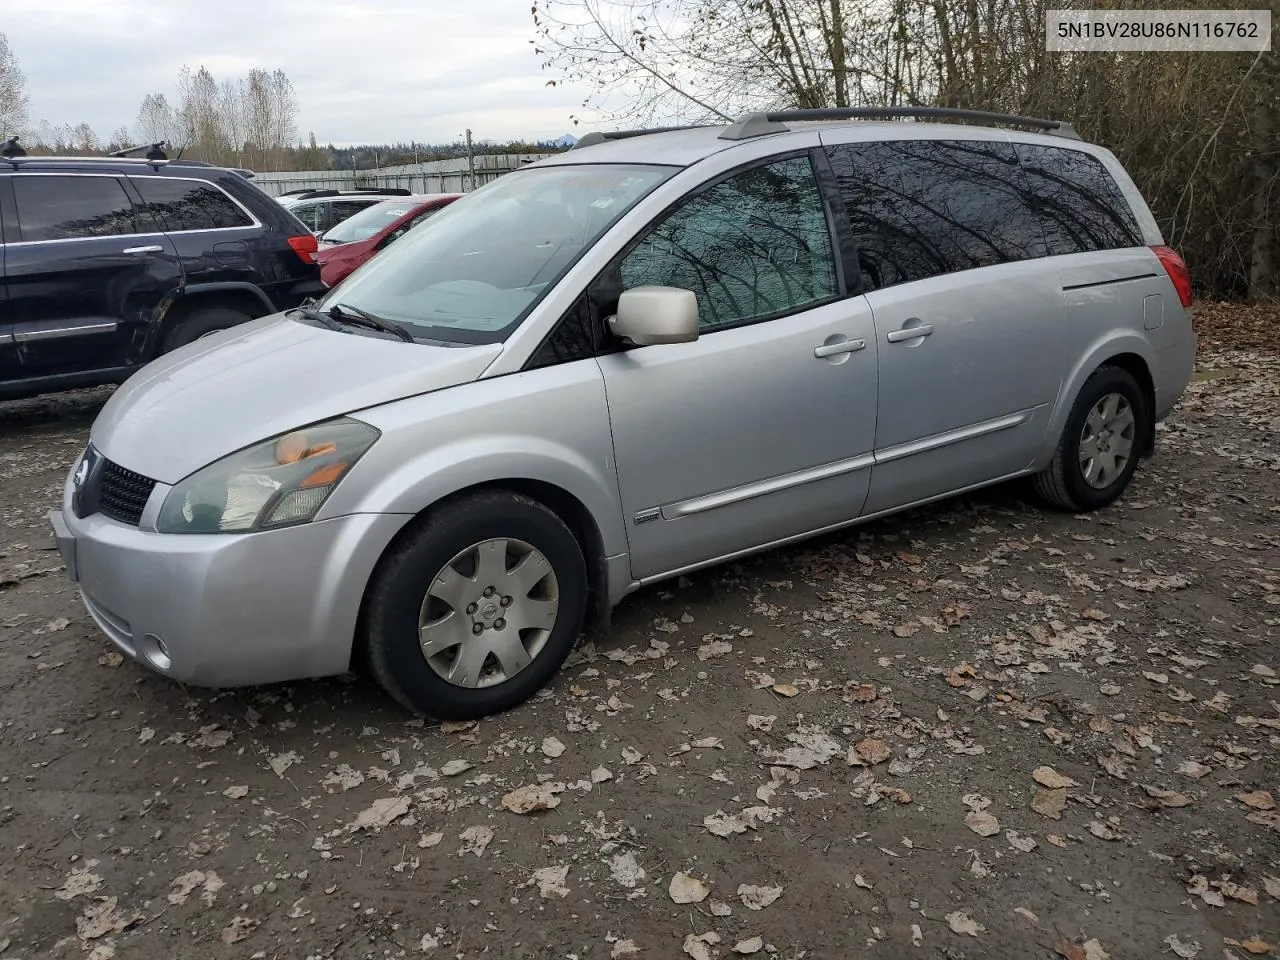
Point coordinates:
[[477, 607], [201, 323], [1098, 452]]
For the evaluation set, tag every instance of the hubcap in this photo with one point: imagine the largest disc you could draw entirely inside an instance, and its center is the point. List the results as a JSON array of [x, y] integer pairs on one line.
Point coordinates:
[[1106, 441], [488, 613]]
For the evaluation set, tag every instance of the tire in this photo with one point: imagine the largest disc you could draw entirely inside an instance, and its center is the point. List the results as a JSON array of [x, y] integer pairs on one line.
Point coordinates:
[[1066, 482], [200, 322], [402, 598]]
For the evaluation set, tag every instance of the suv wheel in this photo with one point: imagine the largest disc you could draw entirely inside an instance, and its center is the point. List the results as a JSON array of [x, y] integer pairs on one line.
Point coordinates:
[[477, 608], [200, 323], [1100, 445]]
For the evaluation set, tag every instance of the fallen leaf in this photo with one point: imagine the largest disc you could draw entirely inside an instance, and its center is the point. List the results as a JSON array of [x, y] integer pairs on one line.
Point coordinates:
[[79, 883], [1258, 799], [455, 767], [720, 909], [102, 917], [869, 752], [960, 922], [281, 762], [626, 871], [533, 797], [758, 722], [686, 889], [550, 882], [1020, 842], [1049, 803], [982, 823], [1051, 779], [757, 898], [237, 929], [1115, 765], [111, 659], [1237, 892], [1167, 798], [381, 813], [1093, 951], [1187, 951], [236, 793], [1272, 886], [551, 747], [785, 689], [716, 648], [904, 630], [1190, 768], [862, 693], [1255, 946], [1068, 950], [631, 756], [428, 943], [623, 949], [698, 945], [749, 946], [896, 794], [1102, 830], [601, 775], [59, 624], [474, 840]]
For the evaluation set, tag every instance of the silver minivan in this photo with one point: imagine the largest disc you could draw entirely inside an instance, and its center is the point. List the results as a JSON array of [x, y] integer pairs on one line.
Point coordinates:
[[652, 353]]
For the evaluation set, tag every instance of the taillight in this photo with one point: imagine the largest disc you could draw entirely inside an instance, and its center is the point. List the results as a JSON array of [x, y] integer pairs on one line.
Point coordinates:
[[305, 246], [1177, 271]]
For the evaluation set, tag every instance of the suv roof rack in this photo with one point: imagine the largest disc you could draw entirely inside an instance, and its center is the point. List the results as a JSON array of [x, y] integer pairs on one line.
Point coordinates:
[[155, 151], [761, 124], [12, 148], [598, 136]]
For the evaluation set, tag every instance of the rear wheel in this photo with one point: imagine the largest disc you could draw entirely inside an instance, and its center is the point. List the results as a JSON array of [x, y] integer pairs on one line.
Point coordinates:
[[1105, 434], [477, 608], [200, 323]]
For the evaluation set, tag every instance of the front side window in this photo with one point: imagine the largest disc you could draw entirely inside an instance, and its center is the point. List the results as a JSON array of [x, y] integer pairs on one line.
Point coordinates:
[[753, 246], [67, 207], [491, 256], [923, 208], [190, 205], [1078, 201]]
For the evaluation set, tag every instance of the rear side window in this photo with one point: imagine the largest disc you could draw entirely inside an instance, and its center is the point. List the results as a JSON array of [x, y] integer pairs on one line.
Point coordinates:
[[753, 246], [308, 213], [190, 205], [341, 209], [1078, 201], [922, 208], [68, 208]]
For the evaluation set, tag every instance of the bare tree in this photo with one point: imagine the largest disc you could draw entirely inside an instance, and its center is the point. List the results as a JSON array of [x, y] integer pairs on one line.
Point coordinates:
[[156, 120], [13, 92], [83, 139], [284, 115]]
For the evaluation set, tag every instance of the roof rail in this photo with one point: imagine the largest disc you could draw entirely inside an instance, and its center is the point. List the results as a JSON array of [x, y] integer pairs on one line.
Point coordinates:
[[760, 124], [597, 136]]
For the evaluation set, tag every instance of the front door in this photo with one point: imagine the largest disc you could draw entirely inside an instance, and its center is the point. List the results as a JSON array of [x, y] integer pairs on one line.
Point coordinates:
[[968, 311], [761, 429], [86, 276]]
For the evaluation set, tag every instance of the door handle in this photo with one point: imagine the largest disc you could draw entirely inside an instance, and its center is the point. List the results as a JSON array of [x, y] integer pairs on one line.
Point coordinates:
[[844, 346], [910, 333], [156, 248]]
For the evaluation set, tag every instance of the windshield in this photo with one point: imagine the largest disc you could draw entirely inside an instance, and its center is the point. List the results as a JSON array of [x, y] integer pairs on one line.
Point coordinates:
[[369, 221], [489, 257]]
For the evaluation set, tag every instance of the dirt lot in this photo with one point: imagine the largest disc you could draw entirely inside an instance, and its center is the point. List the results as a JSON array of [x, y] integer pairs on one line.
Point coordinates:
[[979, 730]]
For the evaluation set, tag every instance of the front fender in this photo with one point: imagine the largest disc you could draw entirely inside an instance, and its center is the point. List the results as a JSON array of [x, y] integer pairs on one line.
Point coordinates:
[[1110, 344], [549, 425]]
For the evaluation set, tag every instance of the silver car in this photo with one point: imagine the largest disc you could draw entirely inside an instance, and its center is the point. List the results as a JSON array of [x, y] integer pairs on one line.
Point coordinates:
[[652, 353]]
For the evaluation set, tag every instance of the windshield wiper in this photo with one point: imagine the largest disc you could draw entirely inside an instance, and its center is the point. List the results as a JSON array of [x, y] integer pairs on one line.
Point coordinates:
[[362, 318], [324, 319]]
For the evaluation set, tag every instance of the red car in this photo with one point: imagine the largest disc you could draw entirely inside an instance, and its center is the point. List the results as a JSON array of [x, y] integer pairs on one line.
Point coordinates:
[[350, 243]]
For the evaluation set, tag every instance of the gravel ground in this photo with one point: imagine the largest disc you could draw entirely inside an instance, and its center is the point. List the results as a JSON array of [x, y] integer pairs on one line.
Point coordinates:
[[978, 730]]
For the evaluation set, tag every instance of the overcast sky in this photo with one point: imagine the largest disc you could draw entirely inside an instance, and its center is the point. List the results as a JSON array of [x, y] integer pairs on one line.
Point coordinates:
[[365, 72]]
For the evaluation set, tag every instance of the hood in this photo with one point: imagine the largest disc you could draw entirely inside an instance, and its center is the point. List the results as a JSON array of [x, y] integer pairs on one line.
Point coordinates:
[[244, 385]]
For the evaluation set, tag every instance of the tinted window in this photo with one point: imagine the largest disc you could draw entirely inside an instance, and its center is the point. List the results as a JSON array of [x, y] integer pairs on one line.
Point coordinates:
[[752, 246], [60, 208], [339, 210], [920, 208], [188, 205], [308, 213], [1079, 203]]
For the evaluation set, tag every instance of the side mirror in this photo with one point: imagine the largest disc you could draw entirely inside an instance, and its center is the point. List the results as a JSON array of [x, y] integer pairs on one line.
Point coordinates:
[[650, 315]]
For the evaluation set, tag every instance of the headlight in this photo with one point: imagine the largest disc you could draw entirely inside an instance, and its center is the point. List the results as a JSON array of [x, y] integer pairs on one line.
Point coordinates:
[[279, 482]]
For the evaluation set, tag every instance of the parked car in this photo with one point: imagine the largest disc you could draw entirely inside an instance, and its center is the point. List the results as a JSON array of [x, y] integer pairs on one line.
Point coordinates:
[[356, 239], [322, 210], [623, 363], [107, 263]]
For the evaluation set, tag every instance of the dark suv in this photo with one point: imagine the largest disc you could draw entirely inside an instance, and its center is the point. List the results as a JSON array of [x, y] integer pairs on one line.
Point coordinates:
[[107, 263]]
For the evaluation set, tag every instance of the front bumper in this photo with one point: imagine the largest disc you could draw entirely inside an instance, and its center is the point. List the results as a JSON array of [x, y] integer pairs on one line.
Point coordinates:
[[227, 610]]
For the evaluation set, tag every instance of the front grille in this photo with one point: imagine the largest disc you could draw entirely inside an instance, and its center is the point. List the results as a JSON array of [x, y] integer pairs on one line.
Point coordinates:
[[123, 494]]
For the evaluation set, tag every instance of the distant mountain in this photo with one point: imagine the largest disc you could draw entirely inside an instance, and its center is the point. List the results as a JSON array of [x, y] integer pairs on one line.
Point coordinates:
[[568, 140]]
